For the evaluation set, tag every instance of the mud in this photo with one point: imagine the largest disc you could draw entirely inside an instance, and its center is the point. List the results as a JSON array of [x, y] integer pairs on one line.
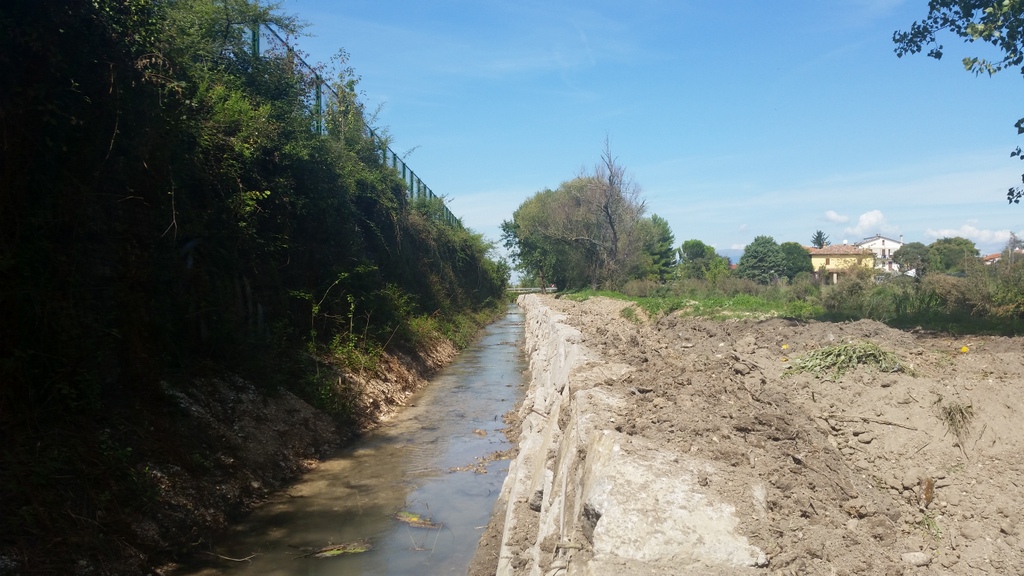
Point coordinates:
[[854, 475], [244, 444]]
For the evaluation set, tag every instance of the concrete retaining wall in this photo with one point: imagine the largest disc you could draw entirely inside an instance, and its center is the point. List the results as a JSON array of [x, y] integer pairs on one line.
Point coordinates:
[[584, 499]]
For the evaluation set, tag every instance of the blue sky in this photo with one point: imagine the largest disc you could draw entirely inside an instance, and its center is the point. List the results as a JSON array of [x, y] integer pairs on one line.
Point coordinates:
[[736, 120]]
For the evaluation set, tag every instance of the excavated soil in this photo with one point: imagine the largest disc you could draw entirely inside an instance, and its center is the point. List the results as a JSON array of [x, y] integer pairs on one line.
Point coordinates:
[[854, 475]]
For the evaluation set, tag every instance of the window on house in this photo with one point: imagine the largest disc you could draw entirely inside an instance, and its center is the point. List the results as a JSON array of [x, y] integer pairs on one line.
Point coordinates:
[[827, 261]]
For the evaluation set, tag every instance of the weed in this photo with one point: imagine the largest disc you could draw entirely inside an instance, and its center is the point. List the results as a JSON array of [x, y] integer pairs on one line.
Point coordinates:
[[957, 418], [840, 358], [930, 525], [629, 313]]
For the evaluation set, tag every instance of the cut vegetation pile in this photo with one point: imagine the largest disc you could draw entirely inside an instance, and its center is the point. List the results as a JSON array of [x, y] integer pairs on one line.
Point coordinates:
[[837, 360]]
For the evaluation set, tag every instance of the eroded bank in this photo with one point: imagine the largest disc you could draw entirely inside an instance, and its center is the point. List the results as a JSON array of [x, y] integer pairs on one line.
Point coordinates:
[[583, 497], [408, 497], [686, 445]]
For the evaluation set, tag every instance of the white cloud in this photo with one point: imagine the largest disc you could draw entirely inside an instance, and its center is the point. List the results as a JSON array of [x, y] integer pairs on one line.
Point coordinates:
[[971, 232], [737, 247], [871, 223], [832, 216], [743, 227]]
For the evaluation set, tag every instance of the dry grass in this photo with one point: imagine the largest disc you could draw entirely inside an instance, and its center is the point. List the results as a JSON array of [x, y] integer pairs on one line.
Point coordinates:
[[957, 418]]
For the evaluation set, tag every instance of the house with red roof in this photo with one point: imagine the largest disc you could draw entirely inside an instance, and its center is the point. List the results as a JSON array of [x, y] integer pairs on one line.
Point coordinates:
[[835, 260]]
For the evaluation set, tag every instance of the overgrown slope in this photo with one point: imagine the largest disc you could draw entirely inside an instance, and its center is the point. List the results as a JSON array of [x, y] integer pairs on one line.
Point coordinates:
[[168, 212]]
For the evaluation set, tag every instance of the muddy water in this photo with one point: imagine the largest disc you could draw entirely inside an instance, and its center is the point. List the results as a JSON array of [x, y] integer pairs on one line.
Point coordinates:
[[453, 423]]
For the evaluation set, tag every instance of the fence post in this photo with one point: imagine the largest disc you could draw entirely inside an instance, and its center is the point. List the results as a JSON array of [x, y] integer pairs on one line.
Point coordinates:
[[319, 107]]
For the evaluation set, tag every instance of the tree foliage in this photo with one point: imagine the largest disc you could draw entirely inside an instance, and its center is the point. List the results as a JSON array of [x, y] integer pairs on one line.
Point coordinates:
[[1013, 248], [797, 259], [912, 256], [951, 255], [659, 246], [590, 232], [944, 256], [819, 239], [699, 261], [165, 205], [999, 24], [763, 261]]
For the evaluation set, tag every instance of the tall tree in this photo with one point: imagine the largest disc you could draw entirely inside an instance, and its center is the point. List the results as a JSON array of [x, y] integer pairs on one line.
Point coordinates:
[[697, 259], [819, 239], [659, 246], [618, 203], [1012, 251], [949, 254], [1000, 24], [797, 259], [762, 261], [588, 232], [912, 256]]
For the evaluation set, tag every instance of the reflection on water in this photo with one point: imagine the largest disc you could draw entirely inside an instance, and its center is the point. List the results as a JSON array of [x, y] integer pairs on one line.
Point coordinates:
[[403, 466]]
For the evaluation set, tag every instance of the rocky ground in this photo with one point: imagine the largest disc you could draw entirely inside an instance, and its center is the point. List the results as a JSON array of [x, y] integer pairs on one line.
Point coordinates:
[[864, 473]]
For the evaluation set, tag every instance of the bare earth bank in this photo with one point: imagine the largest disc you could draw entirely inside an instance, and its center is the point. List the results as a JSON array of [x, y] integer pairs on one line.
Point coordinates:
[[860, 475]]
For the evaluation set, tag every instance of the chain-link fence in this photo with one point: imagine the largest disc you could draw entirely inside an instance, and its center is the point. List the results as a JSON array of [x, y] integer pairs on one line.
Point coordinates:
[[318, 104]]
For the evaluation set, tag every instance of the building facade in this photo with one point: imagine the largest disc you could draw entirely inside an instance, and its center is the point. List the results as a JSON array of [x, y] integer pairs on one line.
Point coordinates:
[[883, 249], [832, 261]]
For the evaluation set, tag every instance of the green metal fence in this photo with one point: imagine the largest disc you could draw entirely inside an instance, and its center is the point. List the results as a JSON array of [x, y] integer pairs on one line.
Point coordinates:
[[318, 104]]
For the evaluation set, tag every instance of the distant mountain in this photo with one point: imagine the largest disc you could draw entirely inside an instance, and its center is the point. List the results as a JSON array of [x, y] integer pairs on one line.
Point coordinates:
[[733, 254]]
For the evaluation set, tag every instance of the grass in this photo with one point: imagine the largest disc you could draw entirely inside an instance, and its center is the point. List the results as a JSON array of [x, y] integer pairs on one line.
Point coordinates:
[[930, 525], [716, 306], [900, 304], [938, 304], [629, 313], [839, 359]]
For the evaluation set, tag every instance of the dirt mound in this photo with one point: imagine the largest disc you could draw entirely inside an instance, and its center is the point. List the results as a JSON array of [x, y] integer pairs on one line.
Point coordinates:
[[873, 471]]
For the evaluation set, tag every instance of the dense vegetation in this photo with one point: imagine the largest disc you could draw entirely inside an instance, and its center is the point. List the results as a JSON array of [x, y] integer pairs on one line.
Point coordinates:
[[173, 203], [962, 295], [590, 236], [590, 232]]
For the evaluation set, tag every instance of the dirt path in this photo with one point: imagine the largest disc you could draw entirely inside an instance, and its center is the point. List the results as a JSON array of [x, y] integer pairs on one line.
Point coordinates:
[[860, 475]]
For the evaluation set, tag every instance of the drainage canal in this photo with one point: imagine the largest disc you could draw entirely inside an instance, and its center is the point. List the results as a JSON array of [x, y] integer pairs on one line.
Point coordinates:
[[396, 488]]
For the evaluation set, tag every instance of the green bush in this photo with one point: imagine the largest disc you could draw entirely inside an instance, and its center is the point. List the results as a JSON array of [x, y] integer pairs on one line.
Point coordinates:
[[731, 285], [847, 297], [804, 286]]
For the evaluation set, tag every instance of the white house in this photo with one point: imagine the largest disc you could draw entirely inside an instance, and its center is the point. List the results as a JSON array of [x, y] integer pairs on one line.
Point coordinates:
[[883, 248]]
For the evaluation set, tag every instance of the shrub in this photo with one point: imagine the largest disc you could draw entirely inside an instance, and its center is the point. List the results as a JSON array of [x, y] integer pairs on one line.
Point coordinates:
[[804, 287], [644, 288], [846, 298], [958, 296], [732, 285]]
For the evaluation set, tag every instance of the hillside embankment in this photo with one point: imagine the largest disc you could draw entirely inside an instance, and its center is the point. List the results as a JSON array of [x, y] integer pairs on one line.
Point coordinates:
[[684, 446], [252, 443], [213, 449]]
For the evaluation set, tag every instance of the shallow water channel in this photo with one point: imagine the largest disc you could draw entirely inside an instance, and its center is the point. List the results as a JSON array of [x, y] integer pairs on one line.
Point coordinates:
[[404, 466]]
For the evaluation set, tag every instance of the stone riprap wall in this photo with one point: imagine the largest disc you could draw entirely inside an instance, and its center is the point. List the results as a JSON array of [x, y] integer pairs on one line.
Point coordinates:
[[582, 498]]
